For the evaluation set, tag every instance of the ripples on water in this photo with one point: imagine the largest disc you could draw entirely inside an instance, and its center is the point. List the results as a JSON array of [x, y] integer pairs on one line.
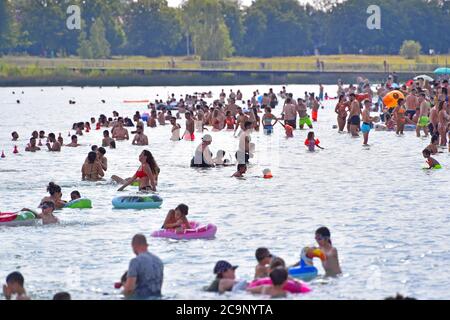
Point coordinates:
[[388, 217]]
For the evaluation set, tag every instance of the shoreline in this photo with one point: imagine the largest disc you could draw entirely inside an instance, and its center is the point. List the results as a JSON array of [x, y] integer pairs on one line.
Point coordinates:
[[190, 79]]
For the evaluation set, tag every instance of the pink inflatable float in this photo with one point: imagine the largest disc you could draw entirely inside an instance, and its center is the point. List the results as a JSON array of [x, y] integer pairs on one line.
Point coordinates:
[[196, 231], [291, 285]]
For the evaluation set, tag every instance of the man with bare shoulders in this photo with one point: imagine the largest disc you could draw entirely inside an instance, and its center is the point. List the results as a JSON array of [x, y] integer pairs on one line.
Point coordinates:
[[303, 114], [140, 139], [412, 103], [424, 113], [53, 145], [190, 127], [232, 107], [31, 147], [119, 132], [354, 116], [290, 113]]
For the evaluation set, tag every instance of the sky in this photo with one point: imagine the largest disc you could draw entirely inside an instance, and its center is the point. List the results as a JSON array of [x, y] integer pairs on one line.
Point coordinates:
[[176, 3]]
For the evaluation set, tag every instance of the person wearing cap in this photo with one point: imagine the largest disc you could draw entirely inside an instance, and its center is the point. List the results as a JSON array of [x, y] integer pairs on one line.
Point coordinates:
[[264, 257], [203, 156], [47, 217], [225, 277], [145, 273]]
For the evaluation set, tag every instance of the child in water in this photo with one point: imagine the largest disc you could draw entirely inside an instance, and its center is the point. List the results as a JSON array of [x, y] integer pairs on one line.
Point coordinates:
[[331, 263], [74, 195], [219, 159], [175, 129], [15, 286], [279, 277], [288, 129], [230, 121], [264, 258], [176, 219], [241, 169], [267, 121], [311, 142], [433, 163]]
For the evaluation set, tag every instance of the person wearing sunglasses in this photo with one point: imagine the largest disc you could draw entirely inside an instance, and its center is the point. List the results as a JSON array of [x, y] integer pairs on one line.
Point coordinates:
[[47, 216], [331, 263]]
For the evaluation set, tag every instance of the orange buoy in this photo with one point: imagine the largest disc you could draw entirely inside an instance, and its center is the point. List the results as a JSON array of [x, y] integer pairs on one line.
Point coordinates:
[[15, 150], [3, 154]]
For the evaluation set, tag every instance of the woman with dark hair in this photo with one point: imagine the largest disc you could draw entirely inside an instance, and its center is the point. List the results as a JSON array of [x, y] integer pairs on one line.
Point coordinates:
[[341, 110], [147, 174], [331, 263], [92, 169], [55, 196]]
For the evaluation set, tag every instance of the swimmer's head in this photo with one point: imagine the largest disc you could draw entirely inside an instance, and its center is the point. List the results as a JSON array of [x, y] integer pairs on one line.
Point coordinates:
[[15, 282], [263, 255], [94, 148], [53, 188], [426, 153], [220, 154], [279, 276], [74, 138], [92, 156], [101, 151], [47, 207], [276, 263], [267, 172], [181, 210], [74, 195], [310, 135], [242, 168], [15, 135], [323, 235]]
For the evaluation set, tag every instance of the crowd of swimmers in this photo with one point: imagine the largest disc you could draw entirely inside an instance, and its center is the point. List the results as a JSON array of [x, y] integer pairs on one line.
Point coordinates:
[[424, 105]]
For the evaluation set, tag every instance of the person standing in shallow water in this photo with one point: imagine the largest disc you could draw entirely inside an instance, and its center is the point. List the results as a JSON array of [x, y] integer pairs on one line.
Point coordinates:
[[331, 263], [145, 274], [52, 144]]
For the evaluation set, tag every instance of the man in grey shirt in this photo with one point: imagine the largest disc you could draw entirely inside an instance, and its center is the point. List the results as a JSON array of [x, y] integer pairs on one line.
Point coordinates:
[[145, 272]]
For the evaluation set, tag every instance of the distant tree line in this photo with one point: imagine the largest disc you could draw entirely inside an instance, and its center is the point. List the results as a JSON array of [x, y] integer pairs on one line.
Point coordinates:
[[216, 29]]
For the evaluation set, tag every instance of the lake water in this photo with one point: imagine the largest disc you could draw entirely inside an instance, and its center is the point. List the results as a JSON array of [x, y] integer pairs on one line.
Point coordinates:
[[388, 218]]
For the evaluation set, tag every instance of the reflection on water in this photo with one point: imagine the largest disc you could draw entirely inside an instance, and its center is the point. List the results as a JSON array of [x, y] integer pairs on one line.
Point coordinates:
[[388, 217]]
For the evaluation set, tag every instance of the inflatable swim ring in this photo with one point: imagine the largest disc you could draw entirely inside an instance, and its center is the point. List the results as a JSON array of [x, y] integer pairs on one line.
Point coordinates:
[[137, 202], [22, 218], [306, 270], [391, 99], [196, 231], [290, 286], [79, 204]]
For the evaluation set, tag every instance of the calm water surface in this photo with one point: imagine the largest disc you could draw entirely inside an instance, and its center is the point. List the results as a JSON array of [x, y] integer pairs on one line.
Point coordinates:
[[388, 218]]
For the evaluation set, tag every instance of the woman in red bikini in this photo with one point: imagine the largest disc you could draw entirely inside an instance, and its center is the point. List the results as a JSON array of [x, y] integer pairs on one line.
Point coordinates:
[[147, 174]]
